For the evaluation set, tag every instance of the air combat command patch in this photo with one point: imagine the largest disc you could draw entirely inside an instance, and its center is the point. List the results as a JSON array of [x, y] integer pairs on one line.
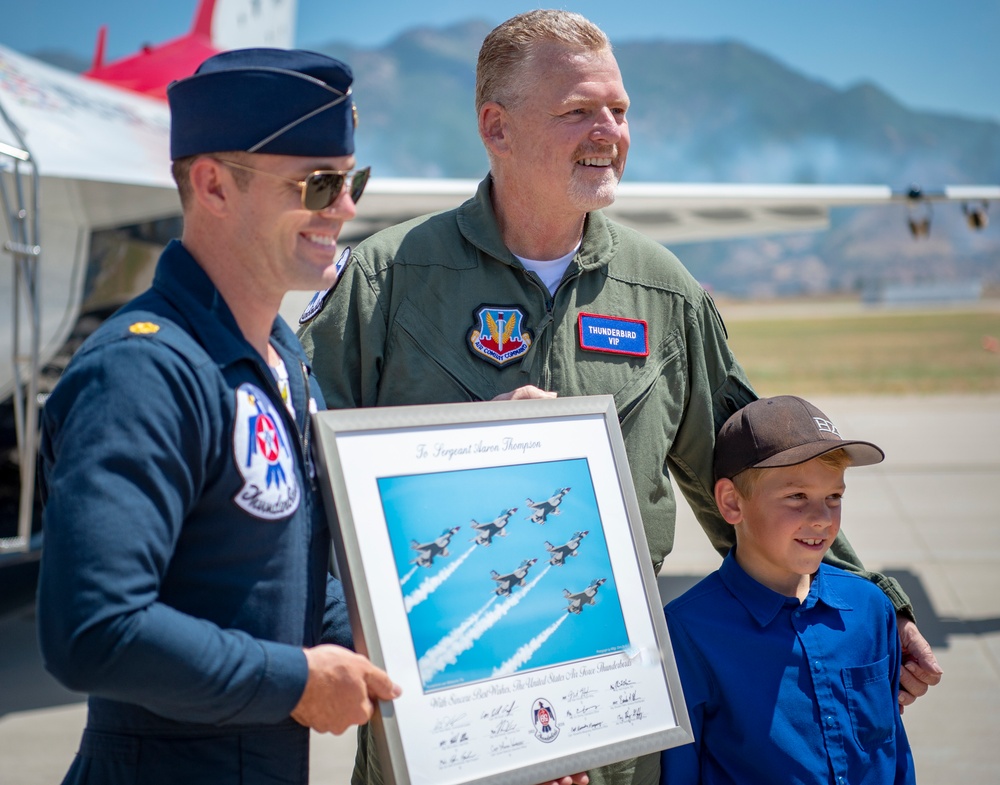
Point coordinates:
[[498, 334]]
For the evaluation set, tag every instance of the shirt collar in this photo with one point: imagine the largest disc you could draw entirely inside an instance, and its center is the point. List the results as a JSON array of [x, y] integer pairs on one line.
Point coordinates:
[[765, 604], [478, 224]]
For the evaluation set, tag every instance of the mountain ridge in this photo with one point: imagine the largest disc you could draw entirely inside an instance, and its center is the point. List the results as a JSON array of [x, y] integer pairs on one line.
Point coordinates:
[[716, 111]]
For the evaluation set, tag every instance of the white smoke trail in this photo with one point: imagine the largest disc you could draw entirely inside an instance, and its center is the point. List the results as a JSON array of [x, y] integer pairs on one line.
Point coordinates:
[[429, 585], [449, 640], [446, 651], [410, 574], [525, 653]]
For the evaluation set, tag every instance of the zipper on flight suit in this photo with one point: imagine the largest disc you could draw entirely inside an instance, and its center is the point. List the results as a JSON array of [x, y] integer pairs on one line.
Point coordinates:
[[541, 329], [307, 429], [550, 301]]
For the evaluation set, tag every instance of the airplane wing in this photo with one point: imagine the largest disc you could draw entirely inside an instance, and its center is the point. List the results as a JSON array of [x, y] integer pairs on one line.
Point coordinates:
[[79, 129], [674, 212], [80, 156]]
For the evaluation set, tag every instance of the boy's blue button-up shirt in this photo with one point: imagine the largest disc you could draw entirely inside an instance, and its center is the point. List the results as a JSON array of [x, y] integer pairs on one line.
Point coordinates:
[[780, 691]]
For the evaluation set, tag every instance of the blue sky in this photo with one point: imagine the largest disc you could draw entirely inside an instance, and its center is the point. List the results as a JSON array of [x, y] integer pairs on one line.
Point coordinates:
[[929, 54]]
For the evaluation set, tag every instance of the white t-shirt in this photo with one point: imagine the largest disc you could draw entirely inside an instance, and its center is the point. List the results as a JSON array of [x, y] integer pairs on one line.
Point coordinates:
[[551, 272]]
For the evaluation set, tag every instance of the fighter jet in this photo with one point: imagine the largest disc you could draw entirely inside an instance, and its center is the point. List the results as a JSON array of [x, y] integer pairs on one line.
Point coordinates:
[[428, 550], [560, 552], [585, 597], [485, 532], [541, 510], [511, 579]]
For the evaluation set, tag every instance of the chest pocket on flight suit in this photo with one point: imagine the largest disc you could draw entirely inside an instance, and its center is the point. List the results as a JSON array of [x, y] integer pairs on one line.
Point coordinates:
[[424, 364], [630, 398]]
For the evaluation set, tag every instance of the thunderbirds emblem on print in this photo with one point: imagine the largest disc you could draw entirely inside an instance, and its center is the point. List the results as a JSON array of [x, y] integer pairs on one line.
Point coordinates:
[[262, 455], [497, 334], [544, 720]]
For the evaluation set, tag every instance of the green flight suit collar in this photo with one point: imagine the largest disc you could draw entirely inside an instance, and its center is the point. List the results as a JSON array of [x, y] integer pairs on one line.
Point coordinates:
[[478, 224]]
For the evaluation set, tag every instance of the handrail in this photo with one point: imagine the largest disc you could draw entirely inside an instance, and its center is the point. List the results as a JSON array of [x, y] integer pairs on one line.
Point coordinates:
[[17, 167]]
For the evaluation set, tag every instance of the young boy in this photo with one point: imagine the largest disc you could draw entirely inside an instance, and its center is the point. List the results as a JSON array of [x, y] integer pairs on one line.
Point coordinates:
[[790, 667]]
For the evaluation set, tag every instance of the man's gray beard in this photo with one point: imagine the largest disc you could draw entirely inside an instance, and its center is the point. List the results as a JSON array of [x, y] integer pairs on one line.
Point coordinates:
[[586, 197]]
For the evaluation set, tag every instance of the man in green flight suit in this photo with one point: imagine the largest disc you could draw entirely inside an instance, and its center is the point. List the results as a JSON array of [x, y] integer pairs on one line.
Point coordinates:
[[528, 290]]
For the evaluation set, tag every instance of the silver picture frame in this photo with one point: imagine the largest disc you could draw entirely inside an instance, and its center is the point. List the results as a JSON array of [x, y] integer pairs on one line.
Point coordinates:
[[495, 565]]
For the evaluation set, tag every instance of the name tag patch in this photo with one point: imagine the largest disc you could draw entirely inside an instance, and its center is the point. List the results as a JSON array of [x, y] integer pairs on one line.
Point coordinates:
[[613, 334]]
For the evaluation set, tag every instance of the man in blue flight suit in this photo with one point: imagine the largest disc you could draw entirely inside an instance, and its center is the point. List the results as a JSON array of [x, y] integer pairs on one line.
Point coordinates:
[[184, 581]]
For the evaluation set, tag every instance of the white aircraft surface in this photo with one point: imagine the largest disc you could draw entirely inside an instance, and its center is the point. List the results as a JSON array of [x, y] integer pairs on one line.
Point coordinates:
[[560, 552], [586, 597], [426, 551], [486, 531], [540, 511], [88, 202], [507, 582]]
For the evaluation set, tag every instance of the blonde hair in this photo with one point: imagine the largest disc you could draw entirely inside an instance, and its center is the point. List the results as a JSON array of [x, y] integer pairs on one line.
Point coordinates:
[[508, 49], [747, 480]]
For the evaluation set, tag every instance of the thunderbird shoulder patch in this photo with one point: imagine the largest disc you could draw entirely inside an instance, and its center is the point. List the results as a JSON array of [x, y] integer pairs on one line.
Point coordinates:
[[319, 299], [263, 457], [498, 334]]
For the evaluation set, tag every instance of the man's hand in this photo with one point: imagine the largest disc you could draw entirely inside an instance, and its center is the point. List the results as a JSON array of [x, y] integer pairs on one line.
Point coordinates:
[[340, 690], [573, 779], [523, 393], [920, 669]]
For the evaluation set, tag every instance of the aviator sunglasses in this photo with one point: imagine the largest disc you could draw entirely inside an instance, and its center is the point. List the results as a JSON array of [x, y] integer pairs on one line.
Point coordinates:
[[321, 188]]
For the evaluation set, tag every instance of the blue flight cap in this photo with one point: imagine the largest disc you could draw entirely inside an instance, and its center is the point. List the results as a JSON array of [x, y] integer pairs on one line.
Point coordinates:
[[278, 101]]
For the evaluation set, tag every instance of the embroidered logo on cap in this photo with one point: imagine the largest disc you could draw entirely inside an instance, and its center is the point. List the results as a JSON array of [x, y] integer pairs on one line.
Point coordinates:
[[614, 334], [262, 454], [826, 426], [498, 334]]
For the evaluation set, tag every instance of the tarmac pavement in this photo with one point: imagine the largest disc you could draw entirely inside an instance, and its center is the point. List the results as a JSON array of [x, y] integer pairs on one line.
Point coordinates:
[[927, 515]]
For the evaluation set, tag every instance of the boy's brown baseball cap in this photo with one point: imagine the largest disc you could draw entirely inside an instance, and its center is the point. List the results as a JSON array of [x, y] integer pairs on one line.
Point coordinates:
[[782, 431]]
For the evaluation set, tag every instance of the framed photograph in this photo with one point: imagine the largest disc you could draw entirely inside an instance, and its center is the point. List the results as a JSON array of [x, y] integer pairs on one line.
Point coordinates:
[[496, 567]]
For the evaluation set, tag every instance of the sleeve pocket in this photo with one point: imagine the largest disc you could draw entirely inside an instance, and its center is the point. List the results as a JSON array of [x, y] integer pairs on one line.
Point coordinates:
[[871, 703]]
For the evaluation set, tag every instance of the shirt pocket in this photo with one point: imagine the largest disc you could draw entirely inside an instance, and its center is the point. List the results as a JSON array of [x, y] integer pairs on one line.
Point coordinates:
[[871, 703], [631, 397], [426, 362]]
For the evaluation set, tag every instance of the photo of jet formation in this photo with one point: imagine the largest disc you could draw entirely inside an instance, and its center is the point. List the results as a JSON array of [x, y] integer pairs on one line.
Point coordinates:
[[485, 532], [426, 551], [540, 511], [508, 599]]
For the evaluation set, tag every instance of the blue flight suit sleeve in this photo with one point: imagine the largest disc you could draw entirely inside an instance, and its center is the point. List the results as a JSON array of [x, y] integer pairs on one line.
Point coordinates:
[[125, 450], [336, 624]]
